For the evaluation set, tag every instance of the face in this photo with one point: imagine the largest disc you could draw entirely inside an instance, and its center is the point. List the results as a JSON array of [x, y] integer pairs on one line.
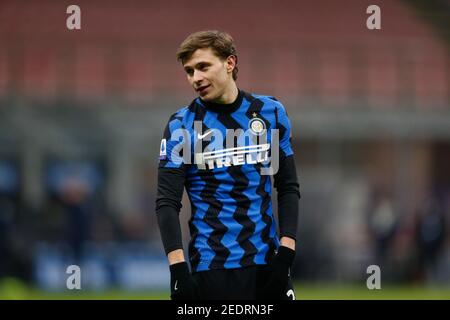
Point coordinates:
[[210, 76]]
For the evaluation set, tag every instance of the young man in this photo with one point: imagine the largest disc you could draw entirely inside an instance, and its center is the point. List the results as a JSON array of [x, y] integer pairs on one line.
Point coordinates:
[[222, 148]]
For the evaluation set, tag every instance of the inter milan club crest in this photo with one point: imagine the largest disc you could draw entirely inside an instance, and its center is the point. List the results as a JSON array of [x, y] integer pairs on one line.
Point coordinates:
[[256, 125]]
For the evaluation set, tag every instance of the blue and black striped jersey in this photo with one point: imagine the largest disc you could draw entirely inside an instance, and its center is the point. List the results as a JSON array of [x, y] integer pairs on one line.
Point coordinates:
[[223, 154]]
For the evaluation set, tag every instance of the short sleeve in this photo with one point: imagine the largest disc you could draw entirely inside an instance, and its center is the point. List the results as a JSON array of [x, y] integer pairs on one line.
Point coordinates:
[[175, 144], [284, 127]]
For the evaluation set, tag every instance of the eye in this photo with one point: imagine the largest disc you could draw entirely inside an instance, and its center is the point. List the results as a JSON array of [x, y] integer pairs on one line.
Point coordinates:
[[189, 71], [203, 67]]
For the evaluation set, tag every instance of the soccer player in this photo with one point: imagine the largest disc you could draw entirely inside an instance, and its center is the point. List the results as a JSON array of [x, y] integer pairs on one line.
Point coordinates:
[[222, 148]]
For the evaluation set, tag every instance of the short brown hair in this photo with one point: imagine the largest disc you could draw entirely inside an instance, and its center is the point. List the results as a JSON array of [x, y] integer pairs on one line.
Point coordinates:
[[220, 42]]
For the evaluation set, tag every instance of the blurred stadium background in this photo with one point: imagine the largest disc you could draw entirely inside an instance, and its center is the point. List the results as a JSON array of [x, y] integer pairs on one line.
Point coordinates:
[[82, 113]]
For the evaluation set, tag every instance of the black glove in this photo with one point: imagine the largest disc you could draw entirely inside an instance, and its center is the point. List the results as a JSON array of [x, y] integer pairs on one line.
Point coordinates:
[[182, 285], [278, 274]]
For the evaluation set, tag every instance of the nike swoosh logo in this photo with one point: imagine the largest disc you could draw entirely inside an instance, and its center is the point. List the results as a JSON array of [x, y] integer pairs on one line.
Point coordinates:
[[201, 136], [175, 286], [291, 294]]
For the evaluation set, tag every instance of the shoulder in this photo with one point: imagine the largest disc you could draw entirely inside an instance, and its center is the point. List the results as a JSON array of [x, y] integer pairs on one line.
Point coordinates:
[[179, 118], [186, 114], [267, 100], [179, 115]]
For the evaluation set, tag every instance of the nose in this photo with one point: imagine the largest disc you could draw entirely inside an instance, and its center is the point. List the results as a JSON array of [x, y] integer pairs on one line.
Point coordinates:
[[197, 77]]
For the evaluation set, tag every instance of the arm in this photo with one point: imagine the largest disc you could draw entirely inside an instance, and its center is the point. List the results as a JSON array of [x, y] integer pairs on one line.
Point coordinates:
[[176, 256], [288, 194], [288, 242], [168, 205], [286, 183], [171, 179]]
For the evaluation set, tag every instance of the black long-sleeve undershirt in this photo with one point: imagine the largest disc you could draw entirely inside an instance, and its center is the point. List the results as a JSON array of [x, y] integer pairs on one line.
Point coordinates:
[[288, 194], [168, 205]]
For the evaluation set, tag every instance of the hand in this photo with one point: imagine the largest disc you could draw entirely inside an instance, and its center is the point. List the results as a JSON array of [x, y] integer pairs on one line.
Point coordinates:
[[279, 273], [182, 285]]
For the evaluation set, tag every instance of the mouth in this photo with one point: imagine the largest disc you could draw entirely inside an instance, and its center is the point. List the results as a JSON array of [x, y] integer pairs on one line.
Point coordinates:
[[202, 90]]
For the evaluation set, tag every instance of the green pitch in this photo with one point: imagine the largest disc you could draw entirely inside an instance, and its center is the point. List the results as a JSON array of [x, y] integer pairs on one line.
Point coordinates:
[[13, 289]]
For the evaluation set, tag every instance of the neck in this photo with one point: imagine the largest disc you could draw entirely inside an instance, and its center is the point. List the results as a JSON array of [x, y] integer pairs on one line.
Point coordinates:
[[232, 106], [229, 96]]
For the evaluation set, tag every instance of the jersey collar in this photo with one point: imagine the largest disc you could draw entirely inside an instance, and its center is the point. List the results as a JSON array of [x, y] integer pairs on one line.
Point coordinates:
[[225, 107]]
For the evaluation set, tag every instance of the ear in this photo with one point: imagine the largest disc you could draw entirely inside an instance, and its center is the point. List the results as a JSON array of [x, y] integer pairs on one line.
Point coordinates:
[[231, 63]]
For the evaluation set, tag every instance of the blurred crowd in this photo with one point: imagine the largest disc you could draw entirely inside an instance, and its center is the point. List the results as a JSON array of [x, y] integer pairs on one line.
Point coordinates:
[[413, 247], [72, 219]]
